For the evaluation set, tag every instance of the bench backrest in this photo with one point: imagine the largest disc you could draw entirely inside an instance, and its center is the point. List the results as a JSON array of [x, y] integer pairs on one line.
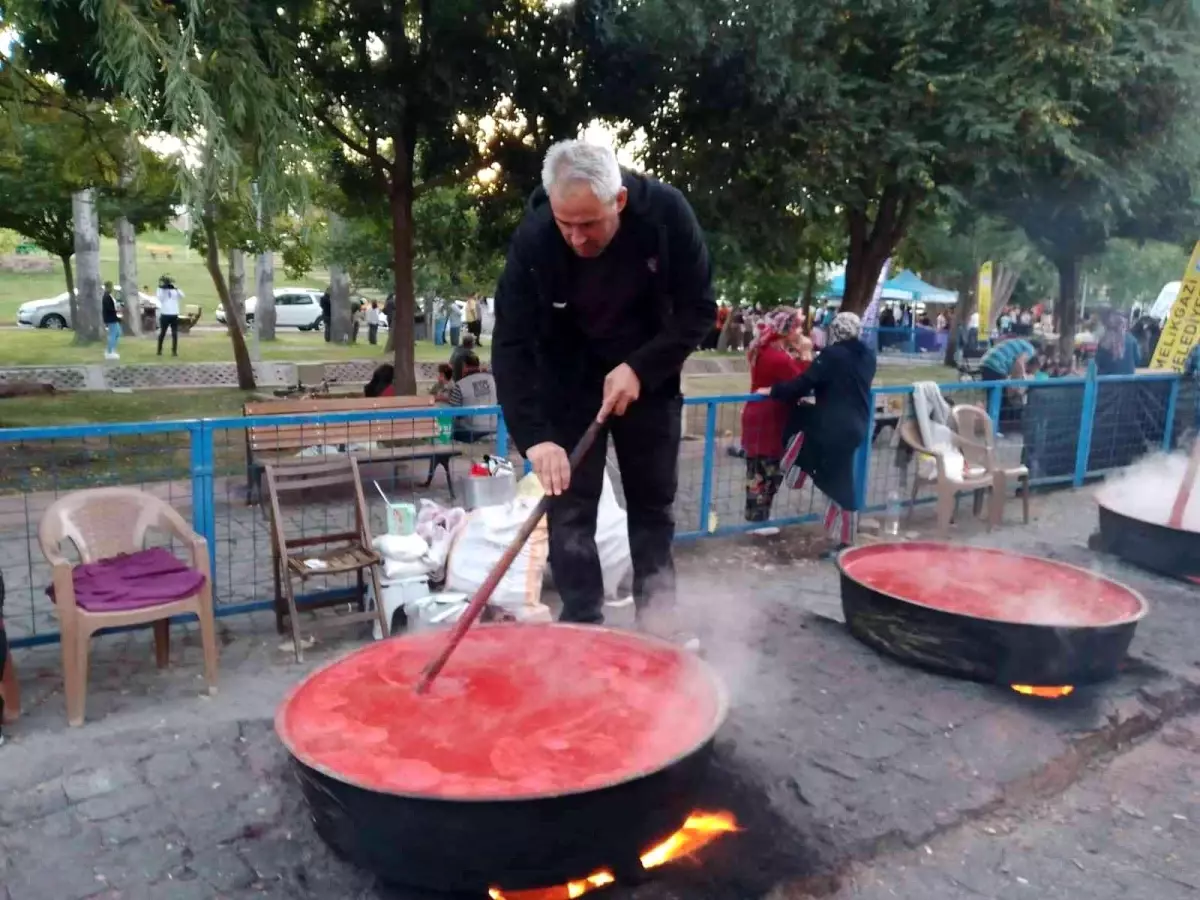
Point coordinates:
[[272, 438]]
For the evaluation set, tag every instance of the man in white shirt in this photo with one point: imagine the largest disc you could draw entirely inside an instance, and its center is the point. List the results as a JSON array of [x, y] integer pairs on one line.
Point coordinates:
[[168, 313], [373, 323]]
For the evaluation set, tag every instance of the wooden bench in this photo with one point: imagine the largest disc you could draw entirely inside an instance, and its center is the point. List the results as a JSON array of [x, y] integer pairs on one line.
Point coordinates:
[[403, 440], [157, 250]]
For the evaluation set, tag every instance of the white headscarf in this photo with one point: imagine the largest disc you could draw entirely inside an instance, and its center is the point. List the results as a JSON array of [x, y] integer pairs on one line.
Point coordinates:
[[845, 326]]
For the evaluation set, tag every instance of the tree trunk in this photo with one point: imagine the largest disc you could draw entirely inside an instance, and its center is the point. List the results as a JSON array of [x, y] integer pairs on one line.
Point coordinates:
[[867, 252], [810, 290], [237, 287], [69, 274], [871, 242], [341, 316], [968, 302], [1005, 283], [127, 276], [1067, 308], [264, 290], [87, 253], [401, 327], [237, 337]]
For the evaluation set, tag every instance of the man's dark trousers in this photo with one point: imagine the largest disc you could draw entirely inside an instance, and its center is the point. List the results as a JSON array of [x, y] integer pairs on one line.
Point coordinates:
[[646, 440]]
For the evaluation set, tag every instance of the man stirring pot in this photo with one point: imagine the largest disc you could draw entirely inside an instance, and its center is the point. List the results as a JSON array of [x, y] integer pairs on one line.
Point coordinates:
[[606, 291]]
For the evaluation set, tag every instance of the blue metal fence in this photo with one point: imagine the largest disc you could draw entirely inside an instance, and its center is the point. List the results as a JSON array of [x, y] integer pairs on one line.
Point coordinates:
[[1066, 430]]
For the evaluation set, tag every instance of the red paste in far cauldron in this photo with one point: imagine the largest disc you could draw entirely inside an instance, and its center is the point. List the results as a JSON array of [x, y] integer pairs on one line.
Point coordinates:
[[992, 584], [518, 712]]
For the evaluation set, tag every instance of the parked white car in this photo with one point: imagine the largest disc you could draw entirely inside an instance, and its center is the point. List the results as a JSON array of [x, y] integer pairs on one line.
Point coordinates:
[[294, 308], [55, 312]]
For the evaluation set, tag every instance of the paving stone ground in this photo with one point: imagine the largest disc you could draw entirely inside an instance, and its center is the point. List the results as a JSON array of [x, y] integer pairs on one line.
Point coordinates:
[[1128, 829], [832, 754]]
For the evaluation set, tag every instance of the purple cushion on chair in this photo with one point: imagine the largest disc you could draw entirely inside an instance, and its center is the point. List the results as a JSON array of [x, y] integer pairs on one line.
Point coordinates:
[[133, 581]]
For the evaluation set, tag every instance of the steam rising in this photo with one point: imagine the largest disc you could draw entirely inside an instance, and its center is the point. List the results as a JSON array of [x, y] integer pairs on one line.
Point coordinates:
[[1148, 489]]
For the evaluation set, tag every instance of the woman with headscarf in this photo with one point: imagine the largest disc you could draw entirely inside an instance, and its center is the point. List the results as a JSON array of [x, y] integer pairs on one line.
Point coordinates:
[[1117, 352], [830, 408], [778, 352]]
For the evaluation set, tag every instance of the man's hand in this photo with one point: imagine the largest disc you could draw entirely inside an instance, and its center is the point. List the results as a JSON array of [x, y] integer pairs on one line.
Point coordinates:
[[552, 467], [621, 388]]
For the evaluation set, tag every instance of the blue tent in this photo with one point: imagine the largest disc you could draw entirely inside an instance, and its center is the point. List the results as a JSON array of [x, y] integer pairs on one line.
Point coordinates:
[[921, 290], [904, 286], [837, 287]]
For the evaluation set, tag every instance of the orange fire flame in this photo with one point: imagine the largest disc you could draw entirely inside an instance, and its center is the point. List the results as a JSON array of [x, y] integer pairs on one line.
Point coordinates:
[[698, 831], [1046, 693]]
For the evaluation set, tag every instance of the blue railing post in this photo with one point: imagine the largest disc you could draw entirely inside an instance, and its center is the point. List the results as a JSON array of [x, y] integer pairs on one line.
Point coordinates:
[[204, 515], [995, 398], [1169, 424], [862, 463], [501, 437], [1087, 420], [710, 453]]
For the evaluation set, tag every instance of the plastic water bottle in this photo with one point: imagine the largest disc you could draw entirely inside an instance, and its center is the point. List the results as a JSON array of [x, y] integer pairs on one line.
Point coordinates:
[[891, 518]]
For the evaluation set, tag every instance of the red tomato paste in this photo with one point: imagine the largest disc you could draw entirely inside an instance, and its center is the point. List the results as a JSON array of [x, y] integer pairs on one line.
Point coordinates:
[[992, 584], [520, 711]]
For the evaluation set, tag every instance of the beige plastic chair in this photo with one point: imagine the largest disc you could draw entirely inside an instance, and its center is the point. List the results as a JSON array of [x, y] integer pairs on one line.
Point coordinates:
[[975, 425], [947, 486], [104, 523]]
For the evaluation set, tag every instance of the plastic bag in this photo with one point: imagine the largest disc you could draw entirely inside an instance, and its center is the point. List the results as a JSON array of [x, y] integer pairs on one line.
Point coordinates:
[[479, 545], [612, 541], [612, 534]]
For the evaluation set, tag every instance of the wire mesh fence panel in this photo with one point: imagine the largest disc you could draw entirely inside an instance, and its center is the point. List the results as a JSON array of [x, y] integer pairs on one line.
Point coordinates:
[[43, 465], [1185, 422], [730, 476], [405, 458], [1128, 421], [1051, 426]]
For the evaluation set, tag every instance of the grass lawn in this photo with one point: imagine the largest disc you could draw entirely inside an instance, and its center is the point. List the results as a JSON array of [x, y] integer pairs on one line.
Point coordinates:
[[100, 406], [185, 266], [38, 347]]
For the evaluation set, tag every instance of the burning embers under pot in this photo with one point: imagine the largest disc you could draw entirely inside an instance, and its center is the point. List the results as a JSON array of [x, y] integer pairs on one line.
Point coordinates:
[[1045, 693], [700, 829]]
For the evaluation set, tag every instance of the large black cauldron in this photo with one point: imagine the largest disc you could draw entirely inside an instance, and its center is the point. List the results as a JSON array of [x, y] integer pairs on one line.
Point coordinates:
[[988, 615], [1159, 548], [542, 754]]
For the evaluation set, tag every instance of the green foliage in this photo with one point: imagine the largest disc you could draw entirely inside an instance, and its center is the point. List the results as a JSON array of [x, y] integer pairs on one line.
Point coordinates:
[[780, 114], [47, 153], [1124, 167], [453, 255], [1132, 274]]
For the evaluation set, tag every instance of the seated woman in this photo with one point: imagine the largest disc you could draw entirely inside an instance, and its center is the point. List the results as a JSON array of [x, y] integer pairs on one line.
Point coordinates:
[[779, 352], [381, 382], [830, 409]]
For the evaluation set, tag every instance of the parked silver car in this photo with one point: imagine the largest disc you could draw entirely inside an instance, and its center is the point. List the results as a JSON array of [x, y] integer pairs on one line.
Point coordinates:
[[55, 312]]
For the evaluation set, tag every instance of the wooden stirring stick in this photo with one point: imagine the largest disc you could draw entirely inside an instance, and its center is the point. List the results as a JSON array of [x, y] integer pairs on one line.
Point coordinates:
[[1185, 489], [479, 601]]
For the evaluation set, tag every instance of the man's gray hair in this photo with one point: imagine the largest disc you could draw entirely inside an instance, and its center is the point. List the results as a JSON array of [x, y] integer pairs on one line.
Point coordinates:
[[582, 163]]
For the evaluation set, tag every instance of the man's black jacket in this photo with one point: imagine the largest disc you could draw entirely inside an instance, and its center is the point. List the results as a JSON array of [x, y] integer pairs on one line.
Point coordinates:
[[539, 356]]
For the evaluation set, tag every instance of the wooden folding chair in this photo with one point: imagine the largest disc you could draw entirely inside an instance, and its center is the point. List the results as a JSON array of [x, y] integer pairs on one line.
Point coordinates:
[[320, 556]]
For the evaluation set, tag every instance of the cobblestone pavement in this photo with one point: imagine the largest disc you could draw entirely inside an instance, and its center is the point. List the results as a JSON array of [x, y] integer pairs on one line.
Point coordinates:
[[832, 754], [1127, 830]]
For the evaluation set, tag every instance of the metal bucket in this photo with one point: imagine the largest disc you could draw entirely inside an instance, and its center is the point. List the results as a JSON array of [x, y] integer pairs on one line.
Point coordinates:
[[492, 490]]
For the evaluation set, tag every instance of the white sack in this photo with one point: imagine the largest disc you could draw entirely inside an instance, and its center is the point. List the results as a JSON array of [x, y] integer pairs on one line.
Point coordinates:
[[479, 545]]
